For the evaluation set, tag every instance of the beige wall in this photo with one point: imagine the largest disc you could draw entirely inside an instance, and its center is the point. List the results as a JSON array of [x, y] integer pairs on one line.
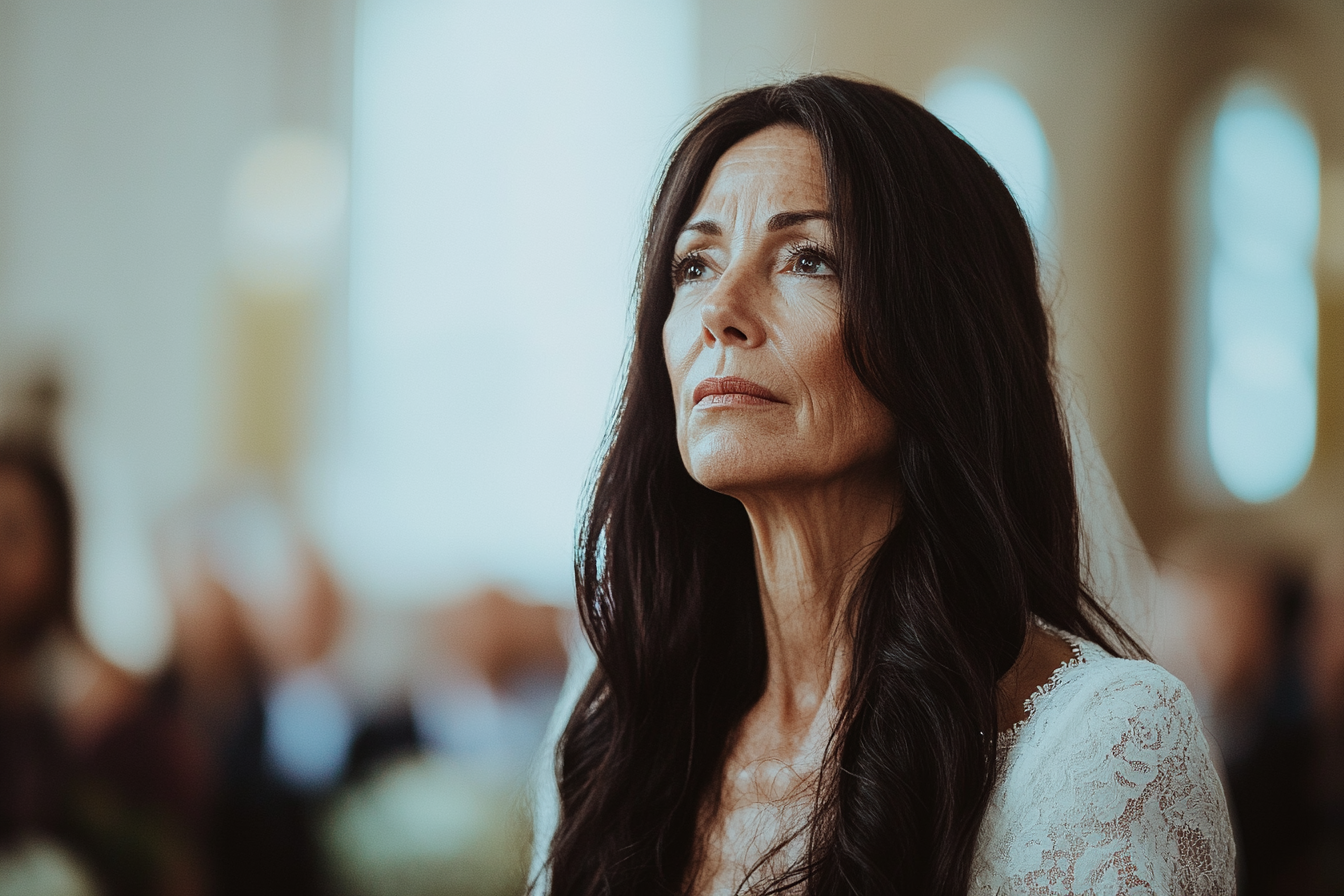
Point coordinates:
[[1116, 87]]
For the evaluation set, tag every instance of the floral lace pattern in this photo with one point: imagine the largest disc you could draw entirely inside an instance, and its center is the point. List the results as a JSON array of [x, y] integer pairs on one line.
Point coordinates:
[[1106, 788]]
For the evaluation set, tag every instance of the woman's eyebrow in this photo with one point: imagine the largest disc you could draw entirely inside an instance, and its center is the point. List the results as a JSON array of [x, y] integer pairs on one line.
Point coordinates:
[[785, 220], [705, 226]]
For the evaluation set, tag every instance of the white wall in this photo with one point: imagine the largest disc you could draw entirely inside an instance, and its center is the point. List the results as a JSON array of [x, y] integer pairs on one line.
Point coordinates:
[[503, 158], [120, 124]]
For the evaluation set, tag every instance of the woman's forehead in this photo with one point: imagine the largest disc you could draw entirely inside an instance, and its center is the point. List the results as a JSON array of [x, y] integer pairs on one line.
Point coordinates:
[[777, 168]]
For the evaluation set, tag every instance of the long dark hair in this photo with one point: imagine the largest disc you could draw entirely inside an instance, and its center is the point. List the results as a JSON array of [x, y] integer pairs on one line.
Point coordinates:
[[943, 322], [36, 461]]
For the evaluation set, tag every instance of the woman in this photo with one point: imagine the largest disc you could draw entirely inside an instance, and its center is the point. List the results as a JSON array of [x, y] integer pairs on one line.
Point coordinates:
[[98, 784], [831, 568]]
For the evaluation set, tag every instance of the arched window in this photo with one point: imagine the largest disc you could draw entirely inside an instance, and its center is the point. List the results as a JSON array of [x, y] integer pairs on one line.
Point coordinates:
[[994, 118], [1258, 224]]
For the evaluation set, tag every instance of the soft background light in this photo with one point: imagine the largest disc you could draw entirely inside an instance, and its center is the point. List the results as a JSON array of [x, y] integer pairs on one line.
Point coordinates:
[[121, 600], [499, 187], [285, 210], [998, 121], [1264, 195]]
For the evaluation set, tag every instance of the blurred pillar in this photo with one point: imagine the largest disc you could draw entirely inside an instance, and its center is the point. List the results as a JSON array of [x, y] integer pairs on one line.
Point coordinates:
[[286, 212], [1330, 292], [275, 336]]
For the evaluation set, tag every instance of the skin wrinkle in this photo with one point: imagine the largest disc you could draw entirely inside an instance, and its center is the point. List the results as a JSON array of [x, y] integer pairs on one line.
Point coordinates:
[[809, 470]]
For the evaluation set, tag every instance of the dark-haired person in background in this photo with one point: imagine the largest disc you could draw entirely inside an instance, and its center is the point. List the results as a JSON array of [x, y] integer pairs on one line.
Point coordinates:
[[36, 598], [831, 571], [100, 790]]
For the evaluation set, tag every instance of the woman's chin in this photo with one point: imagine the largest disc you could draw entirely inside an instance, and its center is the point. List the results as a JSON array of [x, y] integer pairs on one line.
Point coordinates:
[[735, 468]]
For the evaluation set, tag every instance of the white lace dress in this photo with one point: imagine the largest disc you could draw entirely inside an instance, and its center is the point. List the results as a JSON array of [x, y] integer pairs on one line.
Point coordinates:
[[1106, 788]]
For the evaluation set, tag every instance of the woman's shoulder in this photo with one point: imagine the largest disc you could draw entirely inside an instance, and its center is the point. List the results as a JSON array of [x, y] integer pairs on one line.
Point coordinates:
[[1099, 690], [1110, 687], [1109, 779], [1100, 703]]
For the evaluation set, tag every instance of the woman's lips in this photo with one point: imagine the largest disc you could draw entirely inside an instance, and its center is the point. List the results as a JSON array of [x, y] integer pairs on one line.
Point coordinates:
[[721, 391]]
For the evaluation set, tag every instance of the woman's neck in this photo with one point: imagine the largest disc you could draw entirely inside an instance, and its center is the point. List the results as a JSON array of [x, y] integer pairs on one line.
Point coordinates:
[[811, 546]]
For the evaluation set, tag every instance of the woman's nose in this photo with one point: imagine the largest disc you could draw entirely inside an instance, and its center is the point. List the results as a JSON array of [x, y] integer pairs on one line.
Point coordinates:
[[729, 315]]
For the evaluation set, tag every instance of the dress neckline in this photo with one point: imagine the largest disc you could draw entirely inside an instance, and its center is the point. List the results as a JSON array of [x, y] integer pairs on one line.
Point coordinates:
[[1009, 737]]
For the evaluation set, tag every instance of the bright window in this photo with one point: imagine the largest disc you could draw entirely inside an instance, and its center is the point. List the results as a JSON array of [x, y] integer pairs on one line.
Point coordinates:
[[994, 118], [1263, 210], [503, 155]]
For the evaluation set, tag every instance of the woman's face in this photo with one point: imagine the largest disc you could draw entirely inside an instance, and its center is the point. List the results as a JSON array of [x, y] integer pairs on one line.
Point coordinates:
[[764, 395]]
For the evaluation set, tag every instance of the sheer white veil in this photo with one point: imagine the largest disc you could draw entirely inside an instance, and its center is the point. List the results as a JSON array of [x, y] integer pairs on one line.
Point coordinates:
[[1115, 564]]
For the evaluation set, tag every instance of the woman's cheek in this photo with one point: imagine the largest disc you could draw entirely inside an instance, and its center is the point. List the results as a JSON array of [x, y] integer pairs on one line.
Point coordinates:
[[679, 354]]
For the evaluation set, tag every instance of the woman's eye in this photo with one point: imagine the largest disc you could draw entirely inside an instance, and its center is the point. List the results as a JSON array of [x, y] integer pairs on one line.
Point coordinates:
[[689, 268], [811, 264]]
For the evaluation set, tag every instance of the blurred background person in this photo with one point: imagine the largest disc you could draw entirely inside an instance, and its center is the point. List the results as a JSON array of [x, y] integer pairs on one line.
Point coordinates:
[[1220, 595], [36, 545], [255, 619], [1262, 644], [99, 791], [1324, 672], [1286, 775], [329, 730]]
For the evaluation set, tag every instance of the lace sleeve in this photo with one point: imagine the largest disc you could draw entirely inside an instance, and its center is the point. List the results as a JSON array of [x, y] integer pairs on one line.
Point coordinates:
[[1112, 791]]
